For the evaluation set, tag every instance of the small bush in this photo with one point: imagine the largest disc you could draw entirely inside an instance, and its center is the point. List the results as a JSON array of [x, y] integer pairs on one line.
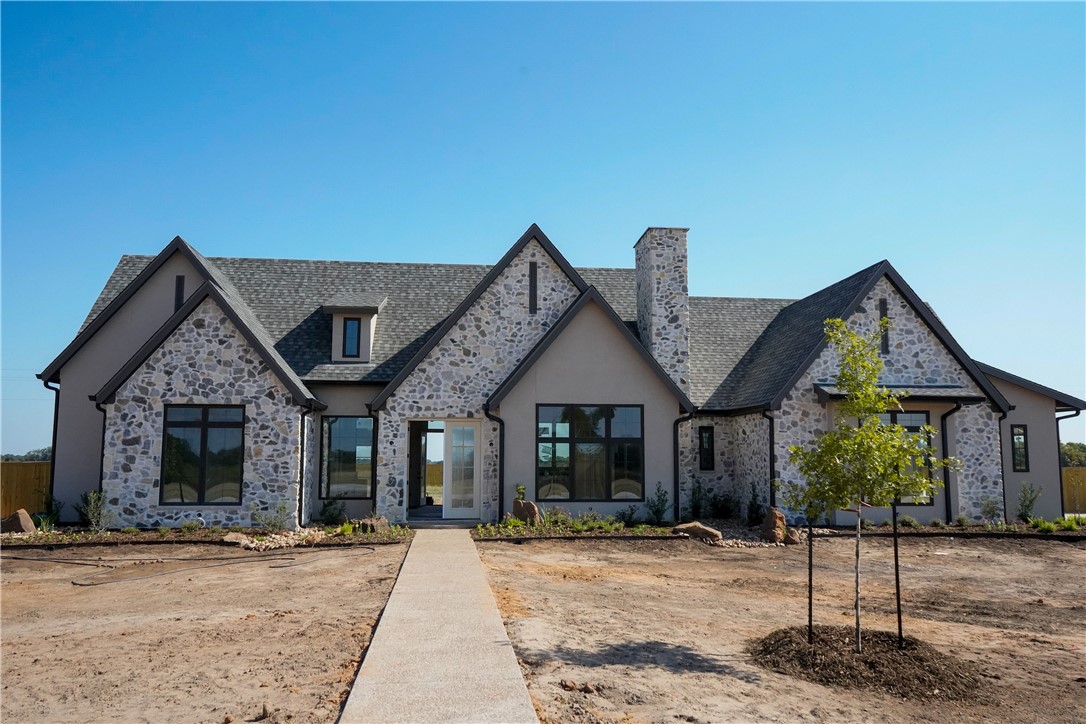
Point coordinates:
[[907, 521], [657, 505], [722, 506], [274, 520], [558, 517], [887, 523], [755, 509], [628, 516], [697, 501], [236, 529], [333, 511], [49, 519], [521, 492], [937, 523], [1067, 523], [92, 511], [216, 530], [866, 524], [1027, 498], [991, 510], [130, 530], [347, 529], [511, 522], [163, 531], [1047, 526], [190, 526], [963, 521], [1036, 522]]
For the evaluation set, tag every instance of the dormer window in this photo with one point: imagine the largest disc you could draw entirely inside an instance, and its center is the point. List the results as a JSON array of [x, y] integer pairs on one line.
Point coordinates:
[[354, 321], [352, 336]]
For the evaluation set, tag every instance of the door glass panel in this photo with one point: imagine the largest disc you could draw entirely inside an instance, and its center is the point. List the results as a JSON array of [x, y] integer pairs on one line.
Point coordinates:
[[462, 468]]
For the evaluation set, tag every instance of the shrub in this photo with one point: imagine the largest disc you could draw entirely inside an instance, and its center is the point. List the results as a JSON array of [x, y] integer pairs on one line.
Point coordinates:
[[963, 521], [557, 517], [130, 530], [866, 524], [657, 505], [347, 529], [163, 531], [333, 511], [628, 516], [755, 509], [1027, 498], [276, 520], [907, 521], [521, 492], [1046, 526], [990, 510], [92, 511], [937, 523], [1067, 523], [722, 506], [697, 501], [48, 519], [190, 526], [236, 529], [511, 522]]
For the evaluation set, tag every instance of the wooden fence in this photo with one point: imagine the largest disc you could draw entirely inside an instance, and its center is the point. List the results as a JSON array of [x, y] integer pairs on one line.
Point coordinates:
[[1074, 490], [23, 485]]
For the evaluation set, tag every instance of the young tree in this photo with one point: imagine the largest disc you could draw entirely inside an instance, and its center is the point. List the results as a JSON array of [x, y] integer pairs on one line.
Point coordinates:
[[862, 462]]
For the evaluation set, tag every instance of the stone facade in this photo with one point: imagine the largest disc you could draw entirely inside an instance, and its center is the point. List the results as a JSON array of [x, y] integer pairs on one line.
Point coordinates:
[[663, 301], [750, 449], [205, 361], [916, 357], [974, 432], [310, 474], [465, 367]]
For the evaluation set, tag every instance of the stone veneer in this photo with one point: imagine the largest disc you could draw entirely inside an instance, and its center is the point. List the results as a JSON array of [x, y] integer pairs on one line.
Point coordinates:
[[663, 301], [742, 459], [205, 361], [464, 368], [916, 357], [750, 447], [975, 434]]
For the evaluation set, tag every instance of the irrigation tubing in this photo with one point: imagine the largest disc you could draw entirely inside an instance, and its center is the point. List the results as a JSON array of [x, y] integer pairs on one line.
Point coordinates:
[[278, 560]]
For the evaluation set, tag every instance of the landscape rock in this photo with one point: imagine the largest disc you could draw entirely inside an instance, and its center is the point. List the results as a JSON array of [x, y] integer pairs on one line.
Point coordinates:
[[527, 511], [700, 531], [372, 525], [792, 537], [18, 522], [568, 684], [239, 538], [774, 527]]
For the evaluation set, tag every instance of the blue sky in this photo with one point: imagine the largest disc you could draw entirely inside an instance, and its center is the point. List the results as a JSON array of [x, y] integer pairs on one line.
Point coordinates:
[[799, 142]]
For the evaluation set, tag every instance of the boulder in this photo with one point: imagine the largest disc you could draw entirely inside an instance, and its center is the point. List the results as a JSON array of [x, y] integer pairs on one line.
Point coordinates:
[[372, 525], [700, 531], [235, 537], [792, 537], [18, 522], [527, 511], [774, 527]]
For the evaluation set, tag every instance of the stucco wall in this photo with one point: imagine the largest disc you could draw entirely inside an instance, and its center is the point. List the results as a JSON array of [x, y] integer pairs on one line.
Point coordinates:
[[342, 400], [461, 371], [590, 363], [916, 357], [79, 423], [205, 361], [1038, 413]]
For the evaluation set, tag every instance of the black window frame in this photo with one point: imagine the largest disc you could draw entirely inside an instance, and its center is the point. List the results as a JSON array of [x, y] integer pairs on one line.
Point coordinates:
[[607, 441], [204, 424], [913, 428], [1025, 449], [707, 453], [322, 471], [358, 339]]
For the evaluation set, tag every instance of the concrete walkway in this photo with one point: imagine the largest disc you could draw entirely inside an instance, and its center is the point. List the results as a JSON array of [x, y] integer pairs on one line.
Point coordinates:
[[440, 652]]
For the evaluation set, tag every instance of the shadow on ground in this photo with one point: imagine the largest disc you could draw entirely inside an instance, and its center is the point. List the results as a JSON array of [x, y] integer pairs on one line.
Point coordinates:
[[654, 654]]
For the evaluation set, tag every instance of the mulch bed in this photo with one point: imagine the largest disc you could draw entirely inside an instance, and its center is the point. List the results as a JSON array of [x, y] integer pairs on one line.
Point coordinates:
[[918, 671], [79, 538]]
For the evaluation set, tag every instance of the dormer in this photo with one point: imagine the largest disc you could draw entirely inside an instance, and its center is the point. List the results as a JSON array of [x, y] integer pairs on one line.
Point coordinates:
[[354, 318]]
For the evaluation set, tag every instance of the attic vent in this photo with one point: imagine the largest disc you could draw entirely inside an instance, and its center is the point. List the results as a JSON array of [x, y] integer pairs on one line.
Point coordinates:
[[178, 291], [533, 302], [883, 314]]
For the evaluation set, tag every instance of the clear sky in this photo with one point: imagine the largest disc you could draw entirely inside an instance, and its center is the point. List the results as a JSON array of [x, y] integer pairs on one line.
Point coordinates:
[[799, 142]]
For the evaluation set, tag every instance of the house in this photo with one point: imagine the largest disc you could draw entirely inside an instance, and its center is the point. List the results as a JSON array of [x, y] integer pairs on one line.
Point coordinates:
[[219, 387]]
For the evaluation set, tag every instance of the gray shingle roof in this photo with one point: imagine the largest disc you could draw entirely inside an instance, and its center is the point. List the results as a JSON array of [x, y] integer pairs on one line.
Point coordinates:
[[741, 350]]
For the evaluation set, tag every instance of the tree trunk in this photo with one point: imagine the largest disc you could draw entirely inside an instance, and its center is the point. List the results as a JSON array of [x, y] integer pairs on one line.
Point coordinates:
[[859, 515], [810, 582], [897, 580]]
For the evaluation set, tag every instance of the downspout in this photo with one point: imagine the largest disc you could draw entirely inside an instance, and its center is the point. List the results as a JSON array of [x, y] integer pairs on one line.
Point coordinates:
[[772, 460], [678, 421], [301, 466], [56, 417], [501, 458], [1059, 453], [946, 453], [1003, 465], [102, 455]]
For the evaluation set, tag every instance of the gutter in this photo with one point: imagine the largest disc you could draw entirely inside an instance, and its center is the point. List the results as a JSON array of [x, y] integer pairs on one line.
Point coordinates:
[[102, 452], [53, 450], [678, 421], [772, 459], [946, 453], [501, 458], [1059, 451]]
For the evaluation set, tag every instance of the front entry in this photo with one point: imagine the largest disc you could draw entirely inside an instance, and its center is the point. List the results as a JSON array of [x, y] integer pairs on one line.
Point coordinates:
[[443, 472]]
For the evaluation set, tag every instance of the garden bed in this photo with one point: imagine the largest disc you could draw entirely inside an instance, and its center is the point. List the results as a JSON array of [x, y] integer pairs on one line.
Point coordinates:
[[76, 537]]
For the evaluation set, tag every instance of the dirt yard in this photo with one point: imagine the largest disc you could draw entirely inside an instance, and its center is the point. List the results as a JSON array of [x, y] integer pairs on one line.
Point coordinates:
[[189, 645], [656, 630]]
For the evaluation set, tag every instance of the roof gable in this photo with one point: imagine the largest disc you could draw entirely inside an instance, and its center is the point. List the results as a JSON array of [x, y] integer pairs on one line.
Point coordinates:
[[533, 233], [589, 296], [241, 317], [1064, 401]]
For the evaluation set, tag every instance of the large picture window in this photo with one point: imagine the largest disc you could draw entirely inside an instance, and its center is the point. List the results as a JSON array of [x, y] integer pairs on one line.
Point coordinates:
[[347, 446], [590, 452], [202, 455], [1019, 449], [913, 422]]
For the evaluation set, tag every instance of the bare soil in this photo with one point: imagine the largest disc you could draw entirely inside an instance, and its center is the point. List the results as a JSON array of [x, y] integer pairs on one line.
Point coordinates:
[[198, 640], [625, 630]]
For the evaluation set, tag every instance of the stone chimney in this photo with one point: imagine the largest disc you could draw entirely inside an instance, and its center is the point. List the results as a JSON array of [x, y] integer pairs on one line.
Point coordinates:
[[663, 300]]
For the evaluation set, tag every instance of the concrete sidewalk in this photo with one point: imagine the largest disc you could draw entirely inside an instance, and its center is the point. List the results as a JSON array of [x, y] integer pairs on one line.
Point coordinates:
[[440, 652]]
